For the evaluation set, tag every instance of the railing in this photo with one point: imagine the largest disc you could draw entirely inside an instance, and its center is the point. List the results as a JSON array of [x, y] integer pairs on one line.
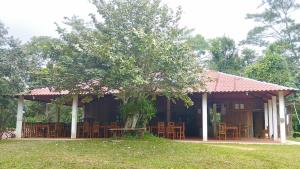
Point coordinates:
[[63, 130]]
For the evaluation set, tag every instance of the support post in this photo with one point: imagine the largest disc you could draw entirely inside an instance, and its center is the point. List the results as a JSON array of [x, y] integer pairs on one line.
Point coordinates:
[[270, 118], [19, 117], [204, 116], [274, 110], [266, 115], [282, 117], [74, 116]]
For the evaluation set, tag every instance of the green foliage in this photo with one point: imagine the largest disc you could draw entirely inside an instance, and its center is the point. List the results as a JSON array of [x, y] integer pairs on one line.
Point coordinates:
[[198, 44], [277, 24], [36, 112], [279, 30], [141, 106], [224, 56], [14, 68], [296, 134], [271, 68], [248, 56], [136, 47], [7, 118]]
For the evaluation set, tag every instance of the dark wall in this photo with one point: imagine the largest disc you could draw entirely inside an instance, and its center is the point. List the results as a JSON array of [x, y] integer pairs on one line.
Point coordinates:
[[103, 110]]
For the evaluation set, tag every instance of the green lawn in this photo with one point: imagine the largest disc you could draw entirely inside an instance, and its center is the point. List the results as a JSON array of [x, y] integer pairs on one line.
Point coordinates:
[[146, 153], [295, 139]]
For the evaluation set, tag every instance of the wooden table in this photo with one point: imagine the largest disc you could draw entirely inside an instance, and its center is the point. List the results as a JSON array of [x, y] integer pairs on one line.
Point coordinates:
[[42, 129], [235, 130]]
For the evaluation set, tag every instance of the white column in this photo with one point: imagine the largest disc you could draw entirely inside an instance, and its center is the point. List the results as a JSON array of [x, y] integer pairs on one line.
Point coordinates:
[[266, 115], [282, 117], [19, 117], [204, 116], [274, 110], [74, 116], [270, 119]]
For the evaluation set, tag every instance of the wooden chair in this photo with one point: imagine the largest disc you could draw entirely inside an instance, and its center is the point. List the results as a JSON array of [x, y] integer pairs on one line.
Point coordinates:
[[26, 130], [181, 135], [161, 129], [113, 125], [33, 132], [171, 130], [232, 131], [67, 130], [244, 130], [86, 130], [222, 131], [80, 130], [39, 130], [95, 130], [52, 130], [59, 129], [264, 134]]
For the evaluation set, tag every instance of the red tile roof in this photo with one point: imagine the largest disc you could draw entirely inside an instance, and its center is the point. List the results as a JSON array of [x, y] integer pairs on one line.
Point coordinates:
[[223, 82], [46, 91], [220, 82]]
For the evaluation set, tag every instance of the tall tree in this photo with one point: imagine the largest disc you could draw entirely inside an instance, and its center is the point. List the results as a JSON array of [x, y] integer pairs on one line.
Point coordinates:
[[224, 55], [277, 24], [137, 48], [44, 53], [272, 68], [198, 44], [13, 76]]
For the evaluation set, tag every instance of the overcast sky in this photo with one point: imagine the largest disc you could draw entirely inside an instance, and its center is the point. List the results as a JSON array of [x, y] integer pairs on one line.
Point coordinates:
[[211, 18]]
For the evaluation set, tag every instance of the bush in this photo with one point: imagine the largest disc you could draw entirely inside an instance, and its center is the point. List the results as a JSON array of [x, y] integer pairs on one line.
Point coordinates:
[[140, 106], [296, 134]]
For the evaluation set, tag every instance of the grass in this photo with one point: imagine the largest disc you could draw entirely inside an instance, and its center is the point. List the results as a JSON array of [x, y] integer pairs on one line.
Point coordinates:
[[295, 139], [143, 153]]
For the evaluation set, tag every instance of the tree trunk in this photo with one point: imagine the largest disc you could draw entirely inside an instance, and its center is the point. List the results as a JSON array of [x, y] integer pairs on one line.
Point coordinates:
[[131, 121]]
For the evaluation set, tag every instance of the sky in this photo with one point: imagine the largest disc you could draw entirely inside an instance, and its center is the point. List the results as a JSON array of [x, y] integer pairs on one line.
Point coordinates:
[[210, 18]]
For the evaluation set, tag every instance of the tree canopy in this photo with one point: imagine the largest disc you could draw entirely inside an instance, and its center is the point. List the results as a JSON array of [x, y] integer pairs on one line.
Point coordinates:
[[272, 68], [134, 47], [137, 48]]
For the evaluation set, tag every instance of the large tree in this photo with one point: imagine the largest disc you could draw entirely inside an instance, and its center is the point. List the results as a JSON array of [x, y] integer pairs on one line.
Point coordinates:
[[276, 23], [224, 56], [13, 76], [272, 68], [133, 46]]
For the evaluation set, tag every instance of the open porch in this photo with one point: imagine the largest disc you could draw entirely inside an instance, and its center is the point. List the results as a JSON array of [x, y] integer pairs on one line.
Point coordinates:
[[232, 108]]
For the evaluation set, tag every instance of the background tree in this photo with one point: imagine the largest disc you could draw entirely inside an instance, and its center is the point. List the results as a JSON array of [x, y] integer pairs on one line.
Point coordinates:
[[198, 44], [272, 68], [224, 56], [13, 76], [248, 56], [277, 24]]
